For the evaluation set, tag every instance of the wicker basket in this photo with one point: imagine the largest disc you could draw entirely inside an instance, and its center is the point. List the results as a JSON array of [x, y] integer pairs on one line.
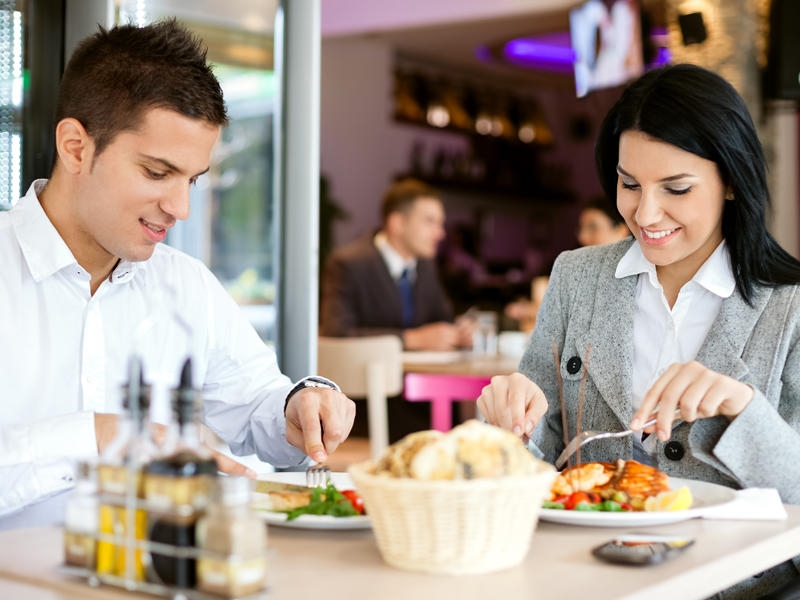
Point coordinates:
[[453, 527]]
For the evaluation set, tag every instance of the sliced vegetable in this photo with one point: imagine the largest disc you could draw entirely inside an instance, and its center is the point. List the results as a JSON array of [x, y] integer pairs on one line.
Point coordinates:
[[356, 500], [577, 498], [586, 501]]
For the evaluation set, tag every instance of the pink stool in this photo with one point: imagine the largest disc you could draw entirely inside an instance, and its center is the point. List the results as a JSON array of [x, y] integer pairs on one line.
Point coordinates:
[[442, 391]]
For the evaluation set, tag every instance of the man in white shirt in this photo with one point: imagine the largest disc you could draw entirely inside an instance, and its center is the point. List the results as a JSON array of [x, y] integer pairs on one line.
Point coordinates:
[[139, 111]]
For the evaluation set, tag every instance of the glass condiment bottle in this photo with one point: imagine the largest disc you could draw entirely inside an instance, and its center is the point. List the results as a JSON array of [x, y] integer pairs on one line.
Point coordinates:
[[80, 520], [232, 542], [177, 488], [119, 481]]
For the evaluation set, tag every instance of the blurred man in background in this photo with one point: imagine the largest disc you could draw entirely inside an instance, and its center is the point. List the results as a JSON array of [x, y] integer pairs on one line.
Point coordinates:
[[387, 282]]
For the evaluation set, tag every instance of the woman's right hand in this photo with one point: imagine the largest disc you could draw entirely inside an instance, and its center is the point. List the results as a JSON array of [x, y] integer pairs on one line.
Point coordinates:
[[513, 402]]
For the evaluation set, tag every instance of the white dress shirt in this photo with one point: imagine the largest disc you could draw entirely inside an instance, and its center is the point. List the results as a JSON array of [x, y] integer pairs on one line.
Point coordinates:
[[394, 262], [663, 336], [66, 355]]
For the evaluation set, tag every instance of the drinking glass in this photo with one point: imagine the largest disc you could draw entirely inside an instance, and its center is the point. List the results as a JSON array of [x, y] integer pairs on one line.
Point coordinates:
[[484, 339]]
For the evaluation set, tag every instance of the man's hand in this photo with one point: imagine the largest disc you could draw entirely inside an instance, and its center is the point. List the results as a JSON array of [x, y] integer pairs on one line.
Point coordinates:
[[466, 325], [434, 336], [318, 420], [228, 465], [106, 426], [105, 429], [513, 402]]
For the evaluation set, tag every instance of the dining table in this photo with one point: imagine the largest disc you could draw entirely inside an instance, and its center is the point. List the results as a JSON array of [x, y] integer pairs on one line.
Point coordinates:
[[346, 564]]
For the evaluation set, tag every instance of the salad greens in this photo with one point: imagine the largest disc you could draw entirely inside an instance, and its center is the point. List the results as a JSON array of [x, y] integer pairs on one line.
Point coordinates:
[[325, 501]]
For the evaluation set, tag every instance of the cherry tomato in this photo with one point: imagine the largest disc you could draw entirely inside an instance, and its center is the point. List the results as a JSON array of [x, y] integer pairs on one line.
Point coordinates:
[[576, 498], [356, 500]]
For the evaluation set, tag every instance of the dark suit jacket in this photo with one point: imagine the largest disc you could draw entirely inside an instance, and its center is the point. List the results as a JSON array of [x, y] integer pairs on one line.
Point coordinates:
[[359, 296]]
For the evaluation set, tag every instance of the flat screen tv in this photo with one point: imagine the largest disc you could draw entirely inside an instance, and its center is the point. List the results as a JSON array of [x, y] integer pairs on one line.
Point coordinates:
[[607, 41]]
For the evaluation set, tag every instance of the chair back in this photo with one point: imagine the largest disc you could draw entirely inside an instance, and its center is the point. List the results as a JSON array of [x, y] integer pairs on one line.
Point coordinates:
[[365, 367]]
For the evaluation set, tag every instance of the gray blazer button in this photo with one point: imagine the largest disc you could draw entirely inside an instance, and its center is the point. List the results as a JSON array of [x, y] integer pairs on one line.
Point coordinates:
[[573, 365], [674, 450]]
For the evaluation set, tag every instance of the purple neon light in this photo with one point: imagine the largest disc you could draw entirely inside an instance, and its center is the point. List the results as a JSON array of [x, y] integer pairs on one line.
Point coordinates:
[[549, 48], [554, 52]]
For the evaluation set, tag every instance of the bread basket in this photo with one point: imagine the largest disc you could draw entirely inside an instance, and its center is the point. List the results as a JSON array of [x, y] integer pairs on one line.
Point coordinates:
[[453, 526]]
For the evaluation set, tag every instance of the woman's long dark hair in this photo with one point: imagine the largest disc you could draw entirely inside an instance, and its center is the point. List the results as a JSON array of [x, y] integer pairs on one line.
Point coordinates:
[[698, 111]]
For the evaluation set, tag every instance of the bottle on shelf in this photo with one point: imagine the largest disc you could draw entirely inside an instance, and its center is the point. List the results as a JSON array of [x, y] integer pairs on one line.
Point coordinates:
[[177, 488], [122, 518], [80, 520], [232, 543]]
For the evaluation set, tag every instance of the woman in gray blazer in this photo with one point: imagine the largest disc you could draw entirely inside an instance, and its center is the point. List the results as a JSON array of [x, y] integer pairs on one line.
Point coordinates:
[[700, 312]]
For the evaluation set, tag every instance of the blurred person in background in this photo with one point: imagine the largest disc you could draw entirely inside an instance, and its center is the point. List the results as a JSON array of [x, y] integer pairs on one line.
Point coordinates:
[[599, 223], [388, 283]]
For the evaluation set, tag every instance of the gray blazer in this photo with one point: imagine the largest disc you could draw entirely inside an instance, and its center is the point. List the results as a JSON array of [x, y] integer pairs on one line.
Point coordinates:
[[588, 313]]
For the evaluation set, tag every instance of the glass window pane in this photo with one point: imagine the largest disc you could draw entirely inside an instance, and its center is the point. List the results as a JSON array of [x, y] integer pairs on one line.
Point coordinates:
[[232, 226], [11, 56]]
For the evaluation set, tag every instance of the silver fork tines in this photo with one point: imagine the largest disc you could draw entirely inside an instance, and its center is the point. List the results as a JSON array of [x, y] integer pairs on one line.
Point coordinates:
[[318, 475], [584, 437]]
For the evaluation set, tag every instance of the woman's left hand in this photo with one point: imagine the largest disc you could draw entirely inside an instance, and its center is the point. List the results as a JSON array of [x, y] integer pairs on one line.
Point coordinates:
[[698, 391]]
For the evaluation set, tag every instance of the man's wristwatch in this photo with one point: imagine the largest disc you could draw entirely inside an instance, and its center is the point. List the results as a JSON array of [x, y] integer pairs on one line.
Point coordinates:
[[310, 382]]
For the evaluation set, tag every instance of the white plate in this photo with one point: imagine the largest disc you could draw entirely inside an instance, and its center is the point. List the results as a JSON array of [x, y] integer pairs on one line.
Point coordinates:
[[342, 481], [316, 521], [705, 495]]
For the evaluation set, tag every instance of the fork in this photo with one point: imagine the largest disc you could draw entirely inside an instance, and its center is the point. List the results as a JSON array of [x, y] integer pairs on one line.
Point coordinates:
[[318, 475], [584, 437]]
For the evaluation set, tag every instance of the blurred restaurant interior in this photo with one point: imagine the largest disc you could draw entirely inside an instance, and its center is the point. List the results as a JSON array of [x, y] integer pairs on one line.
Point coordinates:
[[333, 99]]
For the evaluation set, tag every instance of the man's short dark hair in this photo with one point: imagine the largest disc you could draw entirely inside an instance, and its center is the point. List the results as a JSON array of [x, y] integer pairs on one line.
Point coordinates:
[[402, 194], [115, 76]]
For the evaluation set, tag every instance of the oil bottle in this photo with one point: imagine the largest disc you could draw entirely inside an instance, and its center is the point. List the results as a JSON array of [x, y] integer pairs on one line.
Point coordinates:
[[177, 488], [121, 515]]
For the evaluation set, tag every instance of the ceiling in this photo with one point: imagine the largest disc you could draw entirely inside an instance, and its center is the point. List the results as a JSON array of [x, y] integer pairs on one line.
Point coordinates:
[[455, 44]]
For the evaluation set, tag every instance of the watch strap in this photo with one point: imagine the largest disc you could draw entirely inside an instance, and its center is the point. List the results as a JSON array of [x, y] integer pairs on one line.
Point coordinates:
[[314, 381]]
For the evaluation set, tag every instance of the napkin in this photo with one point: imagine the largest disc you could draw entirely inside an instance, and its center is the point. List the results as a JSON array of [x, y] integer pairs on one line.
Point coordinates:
[[752, 504]]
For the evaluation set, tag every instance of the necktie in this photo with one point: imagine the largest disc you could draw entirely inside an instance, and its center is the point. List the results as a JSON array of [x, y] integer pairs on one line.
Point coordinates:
[[406, 298]]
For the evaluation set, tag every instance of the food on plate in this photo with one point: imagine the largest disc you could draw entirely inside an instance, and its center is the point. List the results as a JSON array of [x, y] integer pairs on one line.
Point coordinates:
[[327, 501], [283, 501], [623, 485], [298, 500], [472, 450], [355, 499], [679, 499]]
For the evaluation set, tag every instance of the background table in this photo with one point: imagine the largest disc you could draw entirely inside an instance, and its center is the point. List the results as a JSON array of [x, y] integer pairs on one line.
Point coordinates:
[[445, 377], [459, 363], [346, 565]]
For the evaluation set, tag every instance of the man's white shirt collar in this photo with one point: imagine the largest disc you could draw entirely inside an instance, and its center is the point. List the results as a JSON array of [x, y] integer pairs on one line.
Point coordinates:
[[715, 275], [394, 262], [44, 250]]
